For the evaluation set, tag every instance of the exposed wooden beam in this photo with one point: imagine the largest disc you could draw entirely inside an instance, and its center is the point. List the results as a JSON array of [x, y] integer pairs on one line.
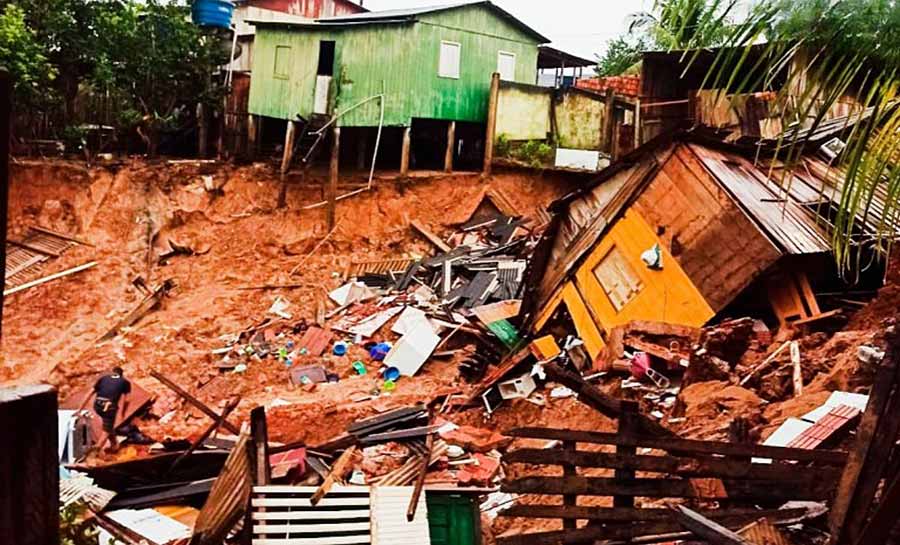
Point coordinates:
[[707, 529], [420, 479], [336, 473], [194, 401]]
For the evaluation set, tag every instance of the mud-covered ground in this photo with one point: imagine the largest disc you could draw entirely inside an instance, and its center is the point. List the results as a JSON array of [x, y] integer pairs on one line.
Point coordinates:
[[51, 332]]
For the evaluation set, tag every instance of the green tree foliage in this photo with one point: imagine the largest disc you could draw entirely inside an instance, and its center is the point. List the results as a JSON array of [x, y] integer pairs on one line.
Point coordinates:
[[25, 58], [161, 62], [685, 24], [621, 54]]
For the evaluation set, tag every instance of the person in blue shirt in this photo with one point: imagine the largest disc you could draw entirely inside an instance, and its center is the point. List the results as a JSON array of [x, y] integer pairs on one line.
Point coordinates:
[[108, 392]]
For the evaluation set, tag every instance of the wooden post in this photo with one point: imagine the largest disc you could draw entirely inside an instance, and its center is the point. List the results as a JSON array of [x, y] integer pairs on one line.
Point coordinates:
[[491, 124], [451, 147], [404, 152], [202, 130], [252, 135], [260, 433], [5, 104], [331, 211], [629, 426], [289, 136], [638, 134], [609, 121], [569, 470], [866, 462]]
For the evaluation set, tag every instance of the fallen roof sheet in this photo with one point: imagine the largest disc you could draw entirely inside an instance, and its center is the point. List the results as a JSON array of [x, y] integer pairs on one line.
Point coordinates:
[[793, 229]]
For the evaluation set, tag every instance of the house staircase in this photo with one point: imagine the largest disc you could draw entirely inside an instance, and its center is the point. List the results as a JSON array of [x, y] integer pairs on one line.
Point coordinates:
[[310, 138]]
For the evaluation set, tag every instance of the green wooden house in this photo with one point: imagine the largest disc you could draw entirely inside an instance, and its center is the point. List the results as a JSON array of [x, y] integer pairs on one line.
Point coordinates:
[[394, 68]]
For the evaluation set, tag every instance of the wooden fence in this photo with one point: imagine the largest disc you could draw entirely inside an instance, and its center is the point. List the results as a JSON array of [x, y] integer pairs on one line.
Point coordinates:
[[738, 476]]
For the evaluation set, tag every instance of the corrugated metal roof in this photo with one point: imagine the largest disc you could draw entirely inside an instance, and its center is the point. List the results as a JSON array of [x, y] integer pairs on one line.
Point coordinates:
[[792, 228], [412, 13]]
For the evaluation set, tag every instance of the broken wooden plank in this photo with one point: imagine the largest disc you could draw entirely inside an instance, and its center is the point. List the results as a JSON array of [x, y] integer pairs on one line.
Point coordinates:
[[817, 317], [765, 363], [420, 479], [32, 247], [707, 529], [336, 473], [813, 490], [232, 405], [685, 446], [193, 401], [728, 468], [63, 236], [797, 374], [49, 278], [146, 305], [429, 236], [592, 396]]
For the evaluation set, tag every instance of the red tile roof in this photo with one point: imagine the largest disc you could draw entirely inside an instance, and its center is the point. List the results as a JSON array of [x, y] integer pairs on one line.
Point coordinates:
[[836, 419], [623, 85]]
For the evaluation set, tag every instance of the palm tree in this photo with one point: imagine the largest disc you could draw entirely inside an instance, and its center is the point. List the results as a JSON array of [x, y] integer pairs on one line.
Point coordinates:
[[684, 24], [814, 55]]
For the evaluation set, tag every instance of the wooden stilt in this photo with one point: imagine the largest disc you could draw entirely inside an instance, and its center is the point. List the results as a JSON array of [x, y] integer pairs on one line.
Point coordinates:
[[491, 124], [252, 135], [451, 146], [202, 130], [404, 153], [289, 135], [333, 178]]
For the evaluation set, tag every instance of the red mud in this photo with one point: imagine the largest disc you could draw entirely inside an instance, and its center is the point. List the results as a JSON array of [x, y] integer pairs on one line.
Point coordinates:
[[50, 332]]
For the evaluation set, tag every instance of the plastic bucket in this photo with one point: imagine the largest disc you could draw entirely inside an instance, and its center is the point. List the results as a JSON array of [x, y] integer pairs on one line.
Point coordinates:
[[392, 374]]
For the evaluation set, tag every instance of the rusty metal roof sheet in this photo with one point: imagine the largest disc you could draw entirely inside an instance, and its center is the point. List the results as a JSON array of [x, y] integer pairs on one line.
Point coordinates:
[[792, 228]]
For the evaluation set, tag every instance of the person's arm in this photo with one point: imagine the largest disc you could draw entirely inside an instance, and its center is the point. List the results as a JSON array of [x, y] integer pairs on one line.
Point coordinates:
[[85, 401]]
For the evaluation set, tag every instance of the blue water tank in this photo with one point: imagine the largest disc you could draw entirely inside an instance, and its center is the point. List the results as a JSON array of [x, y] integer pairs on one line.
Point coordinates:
[[212, 13]]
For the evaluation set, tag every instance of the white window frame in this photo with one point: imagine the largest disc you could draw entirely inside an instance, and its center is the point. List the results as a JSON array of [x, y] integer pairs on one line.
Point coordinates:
[[448, 75], [515, 58]]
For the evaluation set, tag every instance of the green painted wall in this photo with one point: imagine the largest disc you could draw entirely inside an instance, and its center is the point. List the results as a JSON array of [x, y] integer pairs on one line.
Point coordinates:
[[579, 120], [400, 60], [523, 113]]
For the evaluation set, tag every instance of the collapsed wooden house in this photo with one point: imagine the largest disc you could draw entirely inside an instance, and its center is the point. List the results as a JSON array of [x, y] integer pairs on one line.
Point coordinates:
[[687, 226]]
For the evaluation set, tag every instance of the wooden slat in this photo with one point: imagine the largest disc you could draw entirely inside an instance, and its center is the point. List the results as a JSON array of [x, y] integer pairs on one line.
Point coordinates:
[[668, 488], [688, 467], [304, 502], [627, 514], [707, 529], [287, 489], [310, 528], [331, 540], [685, 446], [313, 514], [589, 534]]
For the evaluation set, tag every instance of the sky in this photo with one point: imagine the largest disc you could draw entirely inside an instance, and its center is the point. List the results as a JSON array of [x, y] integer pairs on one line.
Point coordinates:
[[581, 27]]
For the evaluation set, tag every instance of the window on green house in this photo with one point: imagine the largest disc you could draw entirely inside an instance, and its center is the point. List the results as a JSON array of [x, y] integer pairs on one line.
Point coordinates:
[[282, 61], [506, 65], [448, 67], [619, 281]]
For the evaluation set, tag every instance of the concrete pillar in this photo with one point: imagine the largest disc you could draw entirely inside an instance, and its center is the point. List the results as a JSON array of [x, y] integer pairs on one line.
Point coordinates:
[[451, 146], [333, 178], [491, 124], [404, 152]]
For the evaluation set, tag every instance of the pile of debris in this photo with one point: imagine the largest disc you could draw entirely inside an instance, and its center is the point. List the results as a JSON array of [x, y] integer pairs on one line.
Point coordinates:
[[470, 291]]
